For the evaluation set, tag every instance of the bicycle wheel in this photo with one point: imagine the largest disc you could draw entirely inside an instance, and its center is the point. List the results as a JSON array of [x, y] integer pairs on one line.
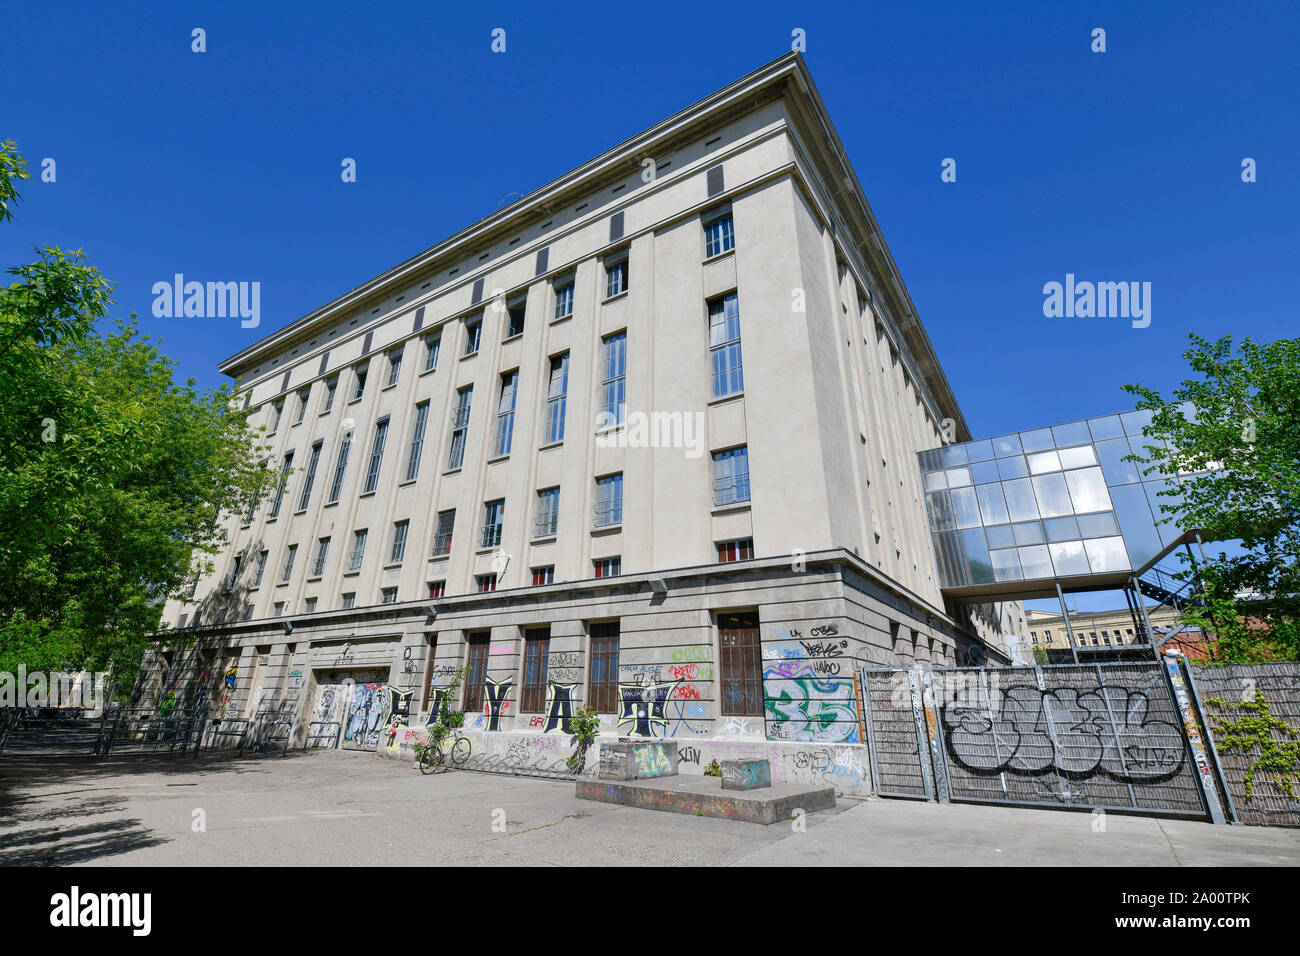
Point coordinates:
[[460, 751], [426, 763]]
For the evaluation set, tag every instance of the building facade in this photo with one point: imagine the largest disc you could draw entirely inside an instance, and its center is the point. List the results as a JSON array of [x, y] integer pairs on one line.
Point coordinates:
[[644, 440]]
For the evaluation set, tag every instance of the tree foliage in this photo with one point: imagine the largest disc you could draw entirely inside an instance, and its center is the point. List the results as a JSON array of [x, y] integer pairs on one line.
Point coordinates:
[[1234, 428], [112, 475]]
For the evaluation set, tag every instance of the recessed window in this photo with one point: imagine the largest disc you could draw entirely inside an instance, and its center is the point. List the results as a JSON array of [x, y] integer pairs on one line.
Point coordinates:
[[543, 575], [310, 478], [602, 689], [279, 488], [473, 333], [376, 456], [719, 236], [437, 589], [261, 568], [289, 556], [340, 469], [349, 600], [304, 395], [277, 411], [358, 549], [493, 517], [394, 366], [607, 567], [741, 549], [309, 606], [432, 345], [515, 318], [398, 551], [330, 388], [417, 441], [740, 665], [506, 415], [442, 540], [609, 501], [557, 392], [359, 388], [564, 300], [460, 428], [388, 595], [322, 552], [547, 521], [730, 476], [613, 388], [724, 346], [485, 583], [537, 651], [615, 278]]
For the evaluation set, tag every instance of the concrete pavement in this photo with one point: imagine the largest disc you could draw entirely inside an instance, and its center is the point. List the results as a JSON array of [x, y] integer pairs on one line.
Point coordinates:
[[341, 808]]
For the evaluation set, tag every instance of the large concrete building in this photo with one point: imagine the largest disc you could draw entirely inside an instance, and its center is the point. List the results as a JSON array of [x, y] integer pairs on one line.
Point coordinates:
[[645, 439]]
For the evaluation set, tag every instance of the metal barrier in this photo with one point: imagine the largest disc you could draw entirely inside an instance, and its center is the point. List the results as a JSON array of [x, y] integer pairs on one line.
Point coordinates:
[[1108, 736], [227, 728], [315, 736]]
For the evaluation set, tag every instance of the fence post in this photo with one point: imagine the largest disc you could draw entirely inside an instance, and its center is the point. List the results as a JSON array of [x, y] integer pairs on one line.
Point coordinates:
[[1195, 746], [1214, 750], [871, 730], [922, 745], [935, 740]]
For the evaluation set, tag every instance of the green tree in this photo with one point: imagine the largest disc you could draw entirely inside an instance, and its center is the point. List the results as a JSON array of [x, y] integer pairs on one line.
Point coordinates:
[[112, 476], [1235, 429]]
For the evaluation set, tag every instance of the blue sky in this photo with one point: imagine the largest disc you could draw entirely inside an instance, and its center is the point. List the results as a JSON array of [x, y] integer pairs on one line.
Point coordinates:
[[1115, 166]]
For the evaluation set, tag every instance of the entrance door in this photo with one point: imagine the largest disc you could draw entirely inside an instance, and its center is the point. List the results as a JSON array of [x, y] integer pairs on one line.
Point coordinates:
[[334, 701], [367, 715]]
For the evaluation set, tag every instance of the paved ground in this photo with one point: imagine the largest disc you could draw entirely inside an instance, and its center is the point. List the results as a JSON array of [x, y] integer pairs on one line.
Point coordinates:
[[330, 809]]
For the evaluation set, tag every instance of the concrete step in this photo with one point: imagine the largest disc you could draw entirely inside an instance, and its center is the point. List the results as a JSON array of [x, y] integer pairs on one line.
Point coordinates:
[[704, 796]]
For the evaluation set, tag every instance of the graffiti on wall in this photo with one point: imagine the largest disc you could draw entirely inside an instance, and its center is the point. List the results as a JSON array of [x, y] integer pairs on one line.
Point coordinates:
[[1105, 730], [559, 707], [366, 717], [641, 709], [496, 702], [808, 691]]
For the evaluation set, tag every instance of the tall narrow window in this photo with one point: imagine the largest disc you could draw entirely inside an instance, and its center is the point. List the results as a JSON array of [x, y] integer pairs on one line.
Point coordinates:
[[254, 501], [360, 388], [493, 517], [724, 346], [607, 567], [609, 500], [288, 563], [234, 573], [310, 477], [476, 672], [730, 476], [740, 666], [398, 551], [358, 549], [547, 521], [304, 395], [537, 649], [506, 414], [322, 552], [417, 441], [284, 480], [602, 691], [719, 236], [446, 524], [613, 390], [473, 333], [557, 399], [261, 569], [432, 345], [460, 428], [515, 318], [615, 278], [394, 366], [277, 412], [376, 456], [340, 468], [330, 388], [564, 300]]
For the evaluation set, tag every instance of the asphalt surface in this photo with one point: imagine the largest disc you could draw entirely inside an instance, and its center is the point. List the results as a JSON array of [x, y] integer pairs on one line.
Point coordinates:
[[343, 808]]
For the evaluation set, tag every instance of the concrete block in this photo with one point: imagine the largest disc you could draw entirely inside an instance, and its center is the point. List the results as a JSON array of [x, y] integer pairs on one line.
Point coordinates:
[[628, 760], [746, 774], [701, 796]]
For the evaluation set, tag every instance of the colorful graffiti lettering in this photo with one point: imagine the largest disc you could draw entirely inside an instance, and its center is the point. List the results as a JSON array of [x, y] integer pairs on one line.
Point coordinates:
[[643, 708], [496, 701], [559, 707]]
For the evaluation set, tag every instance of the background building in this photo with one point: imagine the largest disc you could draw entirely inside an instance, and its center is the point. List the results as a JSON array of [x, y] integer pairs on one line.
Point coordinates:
[[645, 439]]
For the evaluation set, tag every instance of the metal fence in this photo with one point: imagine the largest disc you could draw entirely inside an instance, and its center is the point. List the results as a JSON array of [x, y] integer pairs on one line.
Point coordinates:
[[1091, 736], [1252, 713]]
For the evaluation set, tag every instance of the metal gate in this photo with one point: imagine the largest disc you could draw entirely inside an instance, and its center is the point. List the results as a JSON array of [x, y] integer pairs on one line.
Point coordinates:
[[1109, 736]]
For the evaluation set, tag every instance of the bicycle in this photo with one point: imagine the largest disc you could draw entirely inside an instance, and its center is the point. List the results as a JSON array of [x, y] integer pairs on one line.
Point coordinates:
[[435, 754]]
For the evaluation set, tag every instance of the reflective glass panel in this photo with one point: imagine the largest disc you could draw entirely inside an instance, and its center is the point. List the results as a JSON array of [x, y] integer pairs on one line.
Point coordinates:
[[1135, 421], [954, 455], [1028, 532], [1006, 445], [1034, 562], [1053, 500], [1088, 490], [940, 505], [993, 506], [957, 477], [1037, 440], [1012, 467], [936, 480], [1118, 471], [979, 450], [1107, 427], [1069, 558], [984, 471], [1107, 554], [1075, 433], [1043, 462], [965, 507], [1020, 499], [1062, 529], [978, 564], [1006, 565], [1097, 526], [1001, 536], [1080, 457]]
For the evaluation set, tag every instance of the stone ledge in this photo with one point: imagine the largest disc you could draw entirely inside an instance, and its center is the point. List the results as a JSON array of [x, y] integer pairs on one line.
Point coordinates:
[[703, 796]]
